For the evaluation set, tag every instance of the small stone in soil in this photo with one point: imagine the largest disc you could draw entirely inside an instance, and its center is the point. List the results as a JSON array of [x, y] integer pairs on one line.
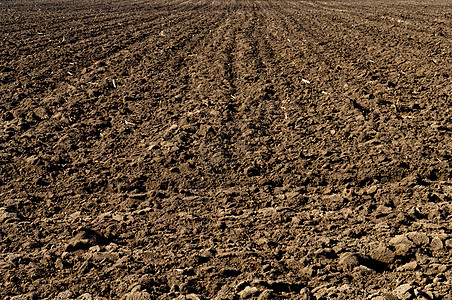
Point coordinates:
[[411, 266], [404, 291], [249, 292]]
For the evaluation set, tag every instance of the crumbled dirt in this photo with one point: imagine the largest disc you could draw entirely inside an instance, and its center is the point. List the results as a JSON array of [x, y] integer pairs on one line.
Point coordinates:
[[208, 149]]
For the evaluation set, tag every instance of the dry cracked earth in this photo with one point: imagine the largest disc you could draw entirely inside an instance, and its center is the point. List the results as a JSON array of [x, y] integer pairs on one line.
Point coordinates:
[[213, 149]]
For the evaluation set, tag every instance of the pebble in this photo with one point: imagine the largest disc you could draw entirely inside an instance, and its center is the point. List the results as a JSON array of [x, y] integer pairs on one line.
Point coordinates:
[[249, 292], [411, 266], [404, 292]]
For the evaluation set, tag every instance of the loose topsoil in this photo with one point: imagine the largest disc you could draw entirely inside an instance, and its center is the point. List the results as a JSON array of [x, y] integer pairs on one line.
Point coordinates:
[[213, 149]]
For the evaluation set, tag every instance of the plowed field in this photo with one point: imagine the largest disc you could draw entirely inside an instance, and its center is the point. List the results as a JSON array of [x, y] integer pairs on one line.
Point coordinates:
[[212, 149]]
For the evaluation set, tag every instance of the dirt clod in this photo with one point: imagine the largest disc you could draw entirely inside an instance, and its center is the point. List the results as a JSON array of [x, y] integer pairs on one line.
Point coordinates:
[[161, 149]]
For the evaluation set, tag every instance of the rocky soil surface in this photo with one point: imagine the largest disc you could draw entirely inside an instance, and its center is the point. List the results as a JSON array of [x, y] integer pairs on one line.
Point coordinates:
[[210, 149]]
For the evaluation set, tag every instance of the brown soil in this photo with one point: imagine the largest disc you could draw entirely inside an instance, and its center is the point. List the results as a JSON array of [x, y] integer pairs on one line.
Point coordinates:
[[208, 149]]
